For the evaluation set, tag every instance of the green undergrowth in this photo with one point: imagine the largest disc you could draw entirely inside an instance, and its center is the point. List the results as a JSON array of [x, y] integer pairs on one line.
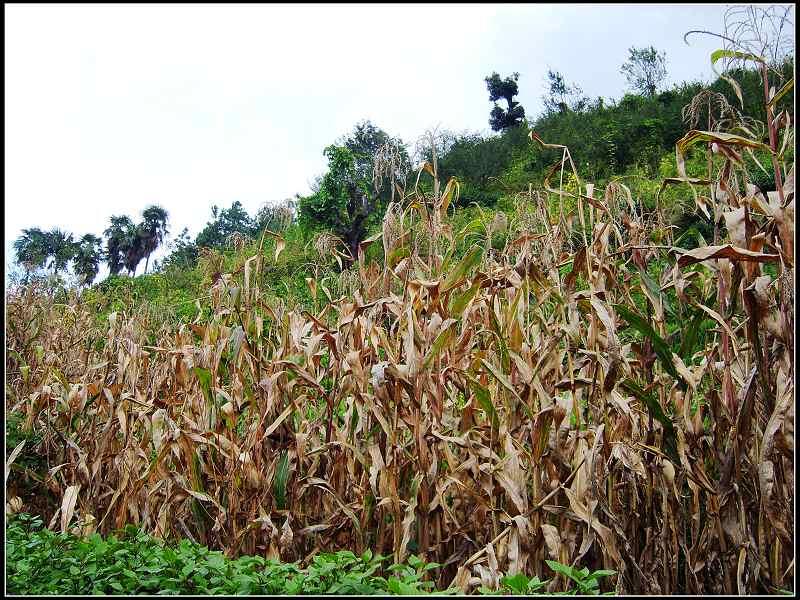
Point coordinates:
[[40, 561]]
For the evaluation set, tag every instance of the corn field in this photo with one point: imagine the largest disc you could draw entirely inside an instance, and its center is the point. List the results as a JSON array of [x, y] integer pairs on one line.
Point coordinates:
[[583, 394]]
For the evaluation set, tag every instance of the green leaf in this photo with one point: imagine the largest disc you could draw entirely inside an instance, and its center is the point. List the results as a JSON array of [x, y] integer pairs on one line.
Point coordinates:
[[602, 573], [654, 408], [204, 377], [484, 400], [518, 583], [781, 92], [281, 477], [464, 266], [459, 304], [501, 378], [565, 570], [718, 54], [441, 339], [660, 347], [690, 336]]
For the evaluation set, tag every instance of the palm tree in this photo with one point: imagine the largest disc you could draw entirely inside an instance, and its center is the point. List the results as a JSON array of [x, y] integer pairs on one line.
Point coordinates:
[[116, 235], [31, 249], [61, 247], [133, 247], [155, 230], [87, 259]]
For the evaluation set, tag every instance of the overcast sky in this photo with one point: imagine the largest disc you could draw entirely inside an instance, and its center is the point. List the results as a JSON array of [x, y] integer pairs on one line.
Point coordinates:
[[109, 108]]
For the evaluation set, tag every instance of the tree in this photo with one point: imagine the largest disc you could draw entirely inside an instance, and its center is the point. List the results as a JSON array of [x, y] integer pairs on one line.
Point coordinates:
[[154, 226], [645, 70], [184, 252], [275, 217], [37, 249], [366, 142], [86, 262], [115, 241], [506, 89], [31, 249], [561, 96], [225, 223], [61, 248], [343, 203], [134, 247], [364, 169]]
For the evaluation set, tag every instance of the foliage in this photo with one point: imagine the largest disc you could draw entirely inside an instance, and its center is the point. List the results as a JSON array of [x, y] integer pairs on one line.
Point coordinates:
[[365, 142], [514, 114], [586, 583], [183, 253], [34, 247], [275, 217], [645, 69], [344, 203], [31, 248], [16, 433], [86, 261], [562, 97], [154, 229], [117, 237], [224, 224], [39, 561]]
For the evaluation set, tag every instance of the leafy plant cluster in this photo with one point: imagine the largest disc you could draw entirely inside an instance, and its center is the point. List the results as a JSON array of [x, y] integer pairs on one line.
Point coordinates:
[[585, 583], [41, 561]]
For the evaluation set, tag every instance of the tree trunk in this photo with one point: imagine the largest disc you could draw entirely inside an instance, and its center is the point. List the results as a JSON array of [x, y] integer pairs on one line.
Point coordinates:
[[146, 262], [352, 244]]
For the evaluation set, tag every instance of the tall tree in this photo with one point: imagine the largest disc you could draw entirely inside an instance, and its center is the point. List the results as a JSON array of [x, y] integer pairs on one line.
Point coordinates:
[[645, 69], [225, 223], [506, 89], [61, 248], [562, 96], [86, 262], [369, 142], [31, 249], [184, 252], [117, 236], [154, 226], [133, 247], [364, 142], [344, 202]]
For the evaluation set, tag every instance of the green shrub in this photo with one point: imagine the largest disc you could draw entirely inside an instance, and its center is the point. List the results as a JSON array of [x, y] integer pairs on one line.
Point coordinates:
[[39, 561]]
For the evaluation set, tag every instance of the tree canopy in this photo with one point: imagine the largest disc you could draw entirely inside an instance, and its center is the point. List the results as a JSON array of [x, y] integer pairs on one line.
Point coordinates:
[[645, 69], [514, 113]]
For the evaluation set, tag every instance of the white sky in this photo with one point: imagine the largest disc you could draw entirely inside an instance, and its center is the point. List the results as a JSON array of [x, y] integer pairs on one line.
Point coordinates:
[[109, 108]]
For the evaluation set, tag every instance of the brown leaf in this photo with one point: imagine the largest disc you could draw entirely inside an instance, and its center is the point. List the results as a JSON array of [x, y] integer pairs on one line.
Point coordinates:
[[726, 251], [68, 506]]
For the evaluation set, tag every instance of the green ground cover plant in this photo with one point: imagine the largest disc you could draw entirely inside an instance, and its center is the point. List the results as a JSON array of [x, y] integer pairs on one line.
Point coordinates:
[[40, 561]]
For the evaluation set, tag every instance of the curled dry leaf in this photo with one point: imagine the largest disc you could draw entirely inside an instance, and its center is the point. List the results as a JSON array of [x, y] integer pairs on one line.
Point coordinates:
[[725, 251]]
